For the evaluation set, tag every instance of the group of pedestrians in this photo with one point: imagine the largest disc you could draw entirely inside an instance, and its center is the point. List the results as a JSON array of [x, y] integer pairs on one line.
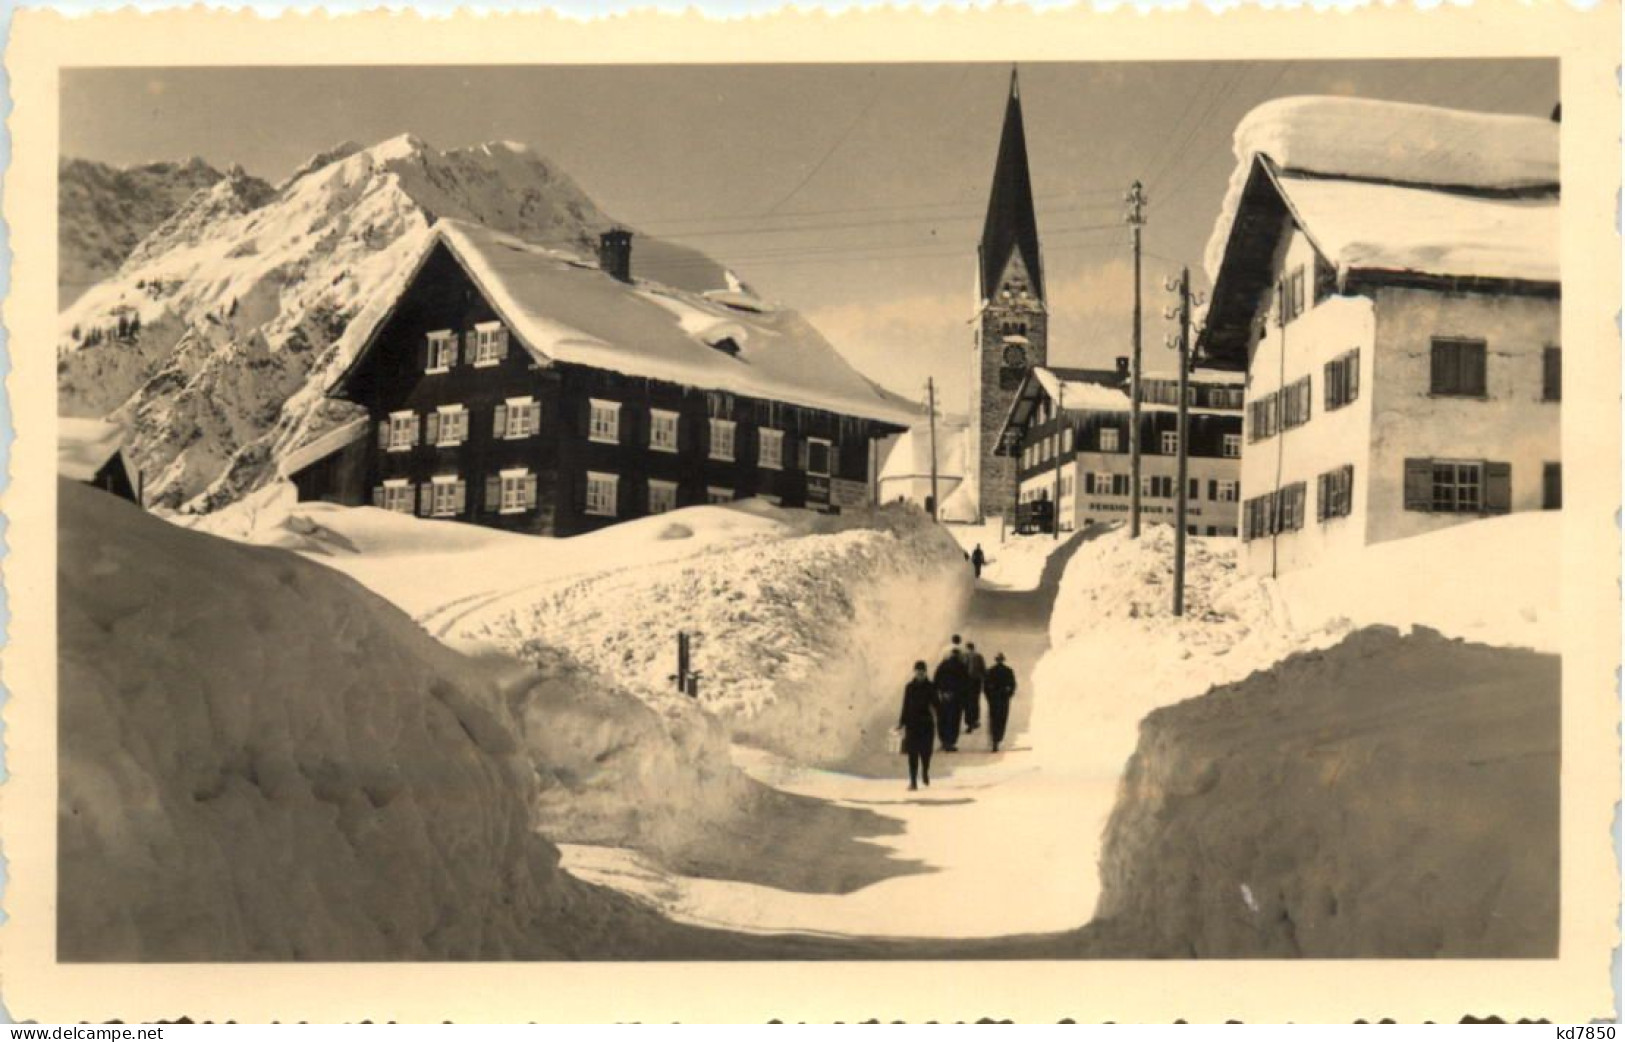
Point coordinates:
[[937, 704]]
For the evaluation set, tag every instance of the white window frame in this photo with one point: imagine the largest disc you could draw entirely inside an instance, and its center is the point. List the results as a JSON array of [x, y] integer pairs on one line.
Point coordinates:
[[445, 412], [604, 421], [1103, 483], [488, 338], [1228, 490], [1460, 469], [724, 440], [829, 457], [598, 504], [774, 460], [514, 427], [659, 485], [1110, 440], [513, 481], [442, 349], [1232, 446], [716, 495], [1170, 443], [662, 421], [444, 487], [399, 496], [403, 428]]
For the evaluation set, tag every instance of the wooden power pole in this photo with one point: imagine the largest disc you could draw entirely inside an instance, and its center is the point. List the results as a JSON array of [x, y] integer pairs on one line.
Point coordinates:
[[1060, 442], [931, 411], [1136, 221], [1184, 428]]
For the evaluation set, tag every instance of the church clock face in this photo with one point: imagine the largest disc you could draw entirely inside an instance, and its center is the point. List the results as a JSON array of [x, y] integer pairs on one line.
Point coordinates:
[[1014, 356]]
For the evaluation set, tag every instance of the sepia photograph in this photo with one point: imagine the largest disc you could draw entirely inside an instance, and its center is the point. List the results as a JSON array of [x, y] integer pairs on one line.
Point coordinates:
[[1012, 510]]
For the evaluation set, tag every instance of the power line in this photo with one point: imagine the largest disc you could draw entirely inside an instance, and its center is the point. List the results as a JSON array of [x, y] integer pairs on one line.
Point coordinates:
[[873, 99]]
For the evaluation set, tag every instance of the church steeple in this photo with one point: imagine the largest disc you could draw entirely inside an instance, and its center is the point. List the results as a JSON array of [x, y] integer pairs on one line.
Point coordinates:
[[1011, 225]]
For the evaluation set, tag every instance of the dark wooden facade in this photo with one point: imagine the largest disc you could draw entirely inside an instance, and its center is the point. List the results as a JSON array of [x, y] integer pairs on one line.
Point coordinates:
[[1206, 433], [391, 377], [114, 477]]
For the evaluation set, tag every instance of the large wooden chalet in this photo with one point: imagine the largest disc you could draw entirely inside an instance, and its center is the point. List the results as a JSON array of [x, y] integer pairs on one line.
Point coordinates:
[[524, 388]]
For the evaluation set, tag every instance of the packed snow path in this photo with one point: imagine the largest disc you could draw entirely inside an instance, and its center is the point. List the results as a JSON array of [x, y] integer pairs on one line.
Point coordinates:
[[989, 849]]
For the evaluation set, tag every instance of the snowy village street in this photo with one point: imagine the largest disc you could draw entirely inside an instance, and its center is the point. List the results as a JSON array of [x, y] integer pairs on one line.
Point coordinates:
[[960, 841]]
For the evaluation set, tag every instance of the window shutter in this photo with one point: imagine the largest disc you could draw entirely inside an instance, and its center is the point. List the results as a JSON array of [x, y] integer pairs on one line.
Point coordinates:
[[493, 492], [1418, 484], [1213, 490], [1441, 368], [383, 434], [502, 343], [460, 499], [423, 355], [499, 421], [471, 344], [425, 499], [431, 428], [1473, 356], [535, 410], [1351, 376], [415, 433], [1322, 485], [378, 495], [530, 492], [803, 453], [1497, 488]]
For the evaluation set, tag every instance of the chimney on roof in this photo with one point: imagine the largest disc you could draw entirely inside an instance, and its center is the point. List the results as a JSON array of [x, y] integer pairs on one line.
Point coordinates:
[[1122, 365], [615, 253]]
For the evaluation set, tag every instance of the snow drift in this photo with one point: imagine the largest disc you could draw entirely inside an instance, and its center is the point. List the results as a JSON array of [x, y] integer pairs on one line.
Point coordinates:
[[1391, 797], [261, 760]]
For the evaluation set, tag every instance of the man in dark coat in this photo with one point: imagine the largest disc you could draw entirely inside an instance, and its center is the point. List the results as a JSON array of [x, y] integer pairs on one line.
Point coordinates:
[[975, 673], [951, 680], [1000, 685], [918, 724], [977, 560]]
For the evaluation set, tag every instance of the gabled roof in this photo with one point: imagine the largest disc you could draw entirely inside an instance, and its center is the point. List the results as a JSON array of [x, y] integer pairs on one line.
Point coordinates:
[[1377, 232], [1011, 224], [1079, 391], [562, 309], [84, 447], [910, 455]]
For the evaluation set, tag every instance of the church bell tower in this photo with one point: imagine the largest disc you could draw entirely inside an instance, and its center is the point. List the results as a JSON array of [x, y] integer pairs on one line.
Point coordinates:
[[1012, 320]]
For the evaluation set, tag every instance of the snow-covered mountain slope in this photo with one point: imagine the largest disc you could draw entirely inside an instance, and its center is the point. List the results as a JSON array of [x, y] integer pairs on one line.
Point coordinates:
[[104, 211], [214, 341]]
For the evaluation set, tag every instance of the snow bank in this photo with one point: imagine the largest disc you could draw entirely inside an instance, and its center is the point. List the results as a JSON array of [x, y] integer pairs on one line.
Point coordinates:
[[1392, 797], [799, 640], [1389, 141], [1512, 604], [1015, 564], [260, 760]]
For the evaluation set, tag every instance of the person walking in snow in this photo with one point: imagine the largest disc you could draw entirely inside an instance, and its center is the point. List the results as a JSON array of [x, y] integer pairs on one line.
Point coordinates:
[[1000, 685], [951, 679], [975, 674], [977, 560], [918, 721]]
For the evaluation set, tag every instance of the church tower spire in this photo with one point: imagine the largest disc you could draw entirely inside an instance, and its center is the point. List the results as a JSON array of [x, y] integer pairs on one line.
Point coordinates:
[[1012, 320], [1011, 225]]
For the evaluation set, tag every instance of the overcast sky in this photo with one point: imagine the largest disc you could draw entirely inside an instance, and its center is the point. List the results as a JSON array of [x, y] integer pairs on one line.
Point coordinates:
[[854, 193]]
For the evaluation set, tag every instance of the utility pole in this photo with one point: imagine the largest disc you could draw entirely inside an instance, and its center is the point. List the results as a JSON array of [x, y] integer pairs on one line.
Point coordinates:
[[931, 410], [1060, 423], [1135, 216], [1181, 342]]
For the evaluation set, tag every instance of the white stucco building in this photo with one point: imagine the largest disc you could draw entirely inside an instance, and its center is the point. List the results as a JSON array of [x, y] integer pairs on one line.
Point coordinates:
[[1401, 338], [905, 469]]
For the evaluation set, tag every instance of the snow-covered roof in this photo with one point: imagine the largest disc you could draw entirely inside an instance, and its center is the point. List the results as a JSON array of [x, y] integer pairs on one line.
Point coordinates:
[[83, 447], [1359, 225], [322, 447], [1387, 141], [564, 310], [1076, 390], [910, 454]]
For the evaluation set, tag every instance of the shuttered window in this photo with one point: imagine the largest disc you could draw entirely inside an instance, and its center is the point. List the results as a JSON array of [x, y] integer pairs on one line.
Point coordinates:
[[1289, 510], [517, 418], [1224, 491], [1334, 493], [1458, 486], [442, 353], [395, 495], [1170, 443], [403, 430], [448, 496], [1263, 415], [518, 491], [1232, 446], [1342, 380], [1551, 487], [1295, 403], [448, 425], [490, 343], [662, 430], [1458, 367], [1551, 388]]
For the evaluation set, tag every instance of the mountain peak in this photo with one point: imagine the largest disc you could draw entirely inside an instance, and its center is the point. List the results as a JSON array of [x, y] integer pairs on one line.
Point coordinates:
[[401, 146]]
